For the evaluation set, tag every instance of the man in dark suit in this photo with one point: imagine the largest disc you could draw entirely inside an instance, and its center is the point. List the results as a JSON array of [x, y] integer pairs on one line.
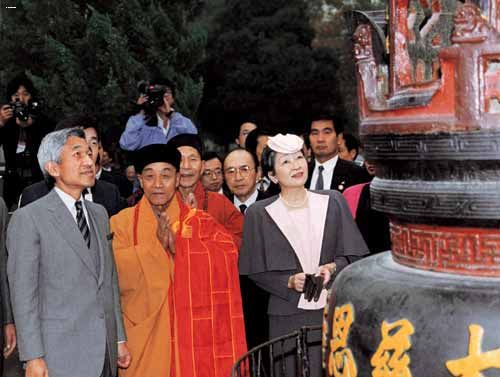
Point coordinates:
[[327, 170], [102, 192], [240, 173], [61, 271]]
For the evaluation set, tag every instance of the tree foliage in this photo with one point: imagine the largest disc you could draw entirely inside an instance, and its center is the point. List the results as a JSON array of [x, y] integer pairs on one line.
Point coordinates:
[[261, 66], [89, 55]]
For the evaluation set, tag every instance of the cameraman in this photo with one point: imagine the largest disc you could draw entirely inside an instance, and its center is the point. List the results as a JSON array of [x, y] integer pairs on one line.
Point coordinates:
[[21, 131], [158, 122]]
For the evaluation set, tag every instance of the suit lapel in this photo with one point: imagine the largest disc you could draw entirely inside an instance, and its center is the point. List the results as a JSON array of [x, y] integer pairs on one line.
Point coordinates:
[[66, 225], [339, 177], [95, 224], [279, 215]]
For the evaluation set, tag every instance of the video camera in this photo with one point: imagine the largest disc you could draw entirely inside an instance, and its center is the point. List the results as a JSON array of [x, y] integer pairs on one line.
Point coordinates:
[[25, 111], [154, 94]]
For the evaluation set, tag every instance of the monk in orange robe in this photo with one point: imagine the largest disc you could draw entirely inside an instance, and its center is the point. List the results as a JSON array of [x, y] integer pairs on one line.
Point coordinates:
[[193, 192], [179, 286]]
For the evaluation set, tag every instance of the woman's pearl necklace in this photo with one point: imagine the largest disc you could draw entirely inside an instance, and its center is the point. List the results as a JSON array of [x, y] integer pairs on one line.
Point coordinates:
[[299, 205]]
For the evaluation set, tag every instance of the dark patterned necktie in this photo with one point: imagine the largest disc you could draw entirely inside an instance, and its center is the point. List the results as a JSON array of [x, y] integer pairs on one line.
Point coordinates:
[[82, 222], [243, 208], [319, 182]]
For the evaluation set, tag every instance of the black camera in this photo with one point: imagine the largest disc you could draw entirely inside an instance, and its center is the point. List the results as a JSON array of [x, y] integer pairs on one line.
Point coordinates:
[[154, 94], [25, 111]]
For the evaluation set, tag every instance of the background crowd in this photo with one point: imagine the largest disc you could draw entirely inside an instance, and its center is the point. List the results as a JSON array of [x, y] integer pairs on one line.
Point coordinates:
[[261, 167]]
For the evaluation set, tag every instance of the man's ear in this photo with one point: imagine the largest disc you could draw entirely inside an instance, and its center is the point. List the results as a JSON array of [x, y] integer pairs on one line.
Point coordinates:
[[52, 168], [237, 141], [139, 178]]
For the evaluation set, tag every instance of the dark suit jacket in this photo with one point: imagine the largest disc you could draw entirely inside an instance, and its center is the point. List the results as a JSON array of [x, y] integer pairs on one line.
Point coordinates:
[[124, 185], [345, 174], [103, 193], [254, 301], [260, 195]]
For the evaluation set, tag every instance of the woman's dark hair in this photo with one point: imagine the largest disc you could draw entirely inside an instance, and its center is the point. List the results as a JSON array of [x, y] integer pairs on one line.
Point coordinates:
[[267, 161], [16, 82], [150, 113]]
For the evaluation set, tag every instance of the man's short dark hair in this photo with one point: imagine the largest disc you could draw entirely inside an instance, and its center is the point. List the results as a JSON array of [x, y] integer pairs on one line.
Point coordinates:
[[338, 125], [252, 139], [16, 82], [351, 142], [253, 155], [210, 155], [82, 121]]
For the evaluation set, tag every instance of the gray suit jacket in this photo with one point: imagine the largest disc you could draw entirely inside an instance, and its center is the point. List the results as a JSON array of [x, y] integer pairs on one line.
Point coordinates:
[[64, 311]]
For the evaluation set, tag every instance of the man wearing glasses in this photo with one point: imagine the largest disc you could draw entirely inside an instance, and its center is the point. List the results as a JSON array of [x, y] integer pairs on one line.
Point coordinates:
[[240, 173], [211, 176]]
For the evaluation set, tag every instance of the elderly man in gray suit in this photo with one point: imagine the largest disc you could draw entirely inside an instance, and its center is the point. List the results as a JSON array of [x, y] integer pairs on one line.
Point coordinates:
[[61, 271]]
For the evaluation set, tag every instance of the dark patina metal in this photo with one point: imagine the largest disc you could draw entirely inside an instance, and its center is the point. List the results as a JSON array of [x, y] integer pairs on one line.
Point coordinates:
[[431, 123]]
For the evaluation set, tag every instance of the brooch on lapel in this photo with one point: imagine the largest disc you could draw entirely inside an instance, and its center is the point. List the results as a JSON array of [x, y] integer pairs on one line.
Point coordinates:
[[341, 186]]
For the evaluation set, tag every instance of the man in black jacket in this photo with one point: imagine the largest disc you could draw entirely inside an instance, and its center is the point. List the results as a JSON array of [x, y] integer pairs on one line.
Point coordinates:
[[21, 132], [327, 170]]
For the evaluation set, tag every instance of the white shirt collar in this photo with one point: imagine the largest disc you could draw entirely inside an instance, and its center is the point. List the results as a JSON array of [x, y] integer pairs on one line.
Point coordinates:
[[69, 202], [160, 125], [251, 199], [328, 165], [98, 174]]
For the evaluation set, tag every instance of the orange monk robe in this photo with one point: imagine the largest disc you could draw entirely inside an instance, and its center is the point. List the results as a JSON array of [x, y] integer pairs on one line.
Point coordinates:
[[145, 273], [204, 304], [222, 210]]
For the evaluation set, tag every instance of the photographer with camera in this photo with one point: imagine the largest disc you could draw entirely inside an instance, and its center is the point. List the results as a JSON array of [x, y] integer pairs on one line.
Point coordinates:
[[22, 128], [158, 122]]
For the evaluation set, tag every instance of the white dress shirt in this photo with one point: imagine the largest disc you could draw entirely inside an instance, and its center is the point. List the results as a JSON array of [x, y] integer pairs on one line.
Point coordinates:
[[69, 202], [251, 200], [327, 173], [160, 125]]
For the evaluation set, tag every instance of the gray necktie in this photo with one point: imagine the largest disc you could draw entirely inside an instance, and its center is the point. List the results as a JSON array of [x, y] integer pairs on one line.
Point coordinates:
[[82, 222], [319, 182]]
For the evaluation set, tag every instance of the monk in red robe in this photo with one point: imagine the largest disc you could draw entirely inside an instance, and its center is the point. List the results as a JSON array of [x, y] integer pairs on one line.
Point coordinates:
[[179, 286], [193, 192]]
